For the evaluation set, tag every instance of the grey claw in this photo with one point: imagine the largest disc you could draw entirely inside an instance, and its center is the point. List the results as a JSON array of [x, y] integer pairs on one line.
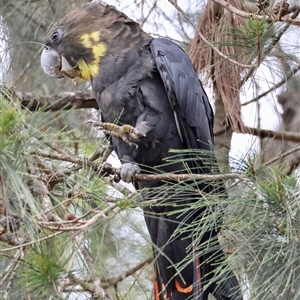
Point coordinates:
[[93, 122], [128, 170], [131, 144]]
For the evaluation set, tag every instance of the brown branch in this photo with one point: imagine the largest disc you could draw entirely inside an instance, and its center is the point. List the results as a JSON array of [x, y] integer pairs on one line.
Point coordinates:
[[184, 177], [136, 278], [12, 267], [66, 100], [80, 226], [275, 86], [41, 188], [266, 133], [106, 168], [11, 240], [275, 39], [98, 289], [107, 282], [149, 13], [284, 154], [271, 17], [17, 243], [86, 286], [226, 128], [276, 135], [211, 45], [118, 186]]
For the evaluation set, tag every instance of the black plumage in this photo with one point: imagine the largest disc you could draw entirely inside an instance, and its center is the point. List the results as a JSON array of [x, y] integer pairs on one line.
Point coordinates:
[[151, 85]]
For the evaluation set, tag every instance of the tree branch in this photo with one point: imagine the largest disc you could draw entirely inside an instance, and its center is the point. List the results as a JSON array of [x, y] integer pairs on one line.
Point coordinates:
[[40, 189], [272, 134], [61, 101], [11, 240], [266, 133], [255, 16], [106, 168], [292, 163], [12, 266], [289, 75], [18, 243], [211, 45], [107, 282]]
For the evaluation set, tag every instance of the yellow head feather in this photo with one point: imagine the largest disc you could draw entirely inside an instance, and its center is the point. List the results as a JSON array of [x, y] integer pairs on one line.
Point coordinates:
[[98, 48]]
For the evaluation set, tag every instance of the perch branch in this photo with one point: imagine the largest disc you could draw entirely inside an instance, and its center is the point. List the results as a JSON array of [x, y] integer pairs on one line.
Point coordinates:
[[61, 101]]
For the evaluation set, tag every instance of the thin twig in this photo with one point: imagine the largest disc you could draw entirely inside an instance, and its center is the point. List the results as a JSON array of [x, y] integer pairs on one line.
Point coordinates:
[[19, 243], [275, 86], [78, 240], [98, 289], [41, 189], [107, 282], [205, 40], [268, 49], [9, 286], [282, 155], [254, 16], [135, 279], [12, 266], [80, 226], [28, 65], [16, 262], [149, 13]]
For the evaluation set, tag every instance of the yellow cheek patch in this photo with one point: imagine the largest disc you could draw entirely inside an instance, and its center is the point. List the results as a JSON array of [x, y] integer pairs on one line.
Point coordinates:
[[95, 36], [91, 41], [87, 71], [88, 39]]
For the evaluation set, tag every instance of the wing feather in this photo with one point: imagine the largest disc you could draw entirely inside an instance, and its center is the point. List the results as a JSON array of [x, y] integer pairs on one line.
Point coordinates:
[[187, 97]]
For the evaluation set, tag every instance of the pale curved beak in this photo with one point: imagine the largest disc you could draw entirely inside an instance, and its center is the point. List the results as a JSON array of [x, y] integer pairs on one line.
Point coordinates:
[[56, 65], [51, 63]]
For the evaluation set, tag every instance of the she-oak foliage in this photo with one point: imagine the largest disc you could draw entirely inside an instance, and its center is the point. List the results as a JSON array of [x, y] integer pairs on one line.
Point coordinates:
[[259, 231]]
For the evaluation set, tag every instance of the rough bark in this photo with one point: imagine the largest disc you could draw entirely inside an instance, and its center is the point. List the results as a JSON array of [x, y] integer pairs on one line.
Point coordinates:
[[61, 101]]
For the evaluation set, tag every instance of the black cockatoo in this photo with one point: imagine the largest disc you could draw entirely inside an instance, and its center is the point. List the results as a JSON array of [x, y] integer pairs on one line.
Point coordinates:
[[149, 85]]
